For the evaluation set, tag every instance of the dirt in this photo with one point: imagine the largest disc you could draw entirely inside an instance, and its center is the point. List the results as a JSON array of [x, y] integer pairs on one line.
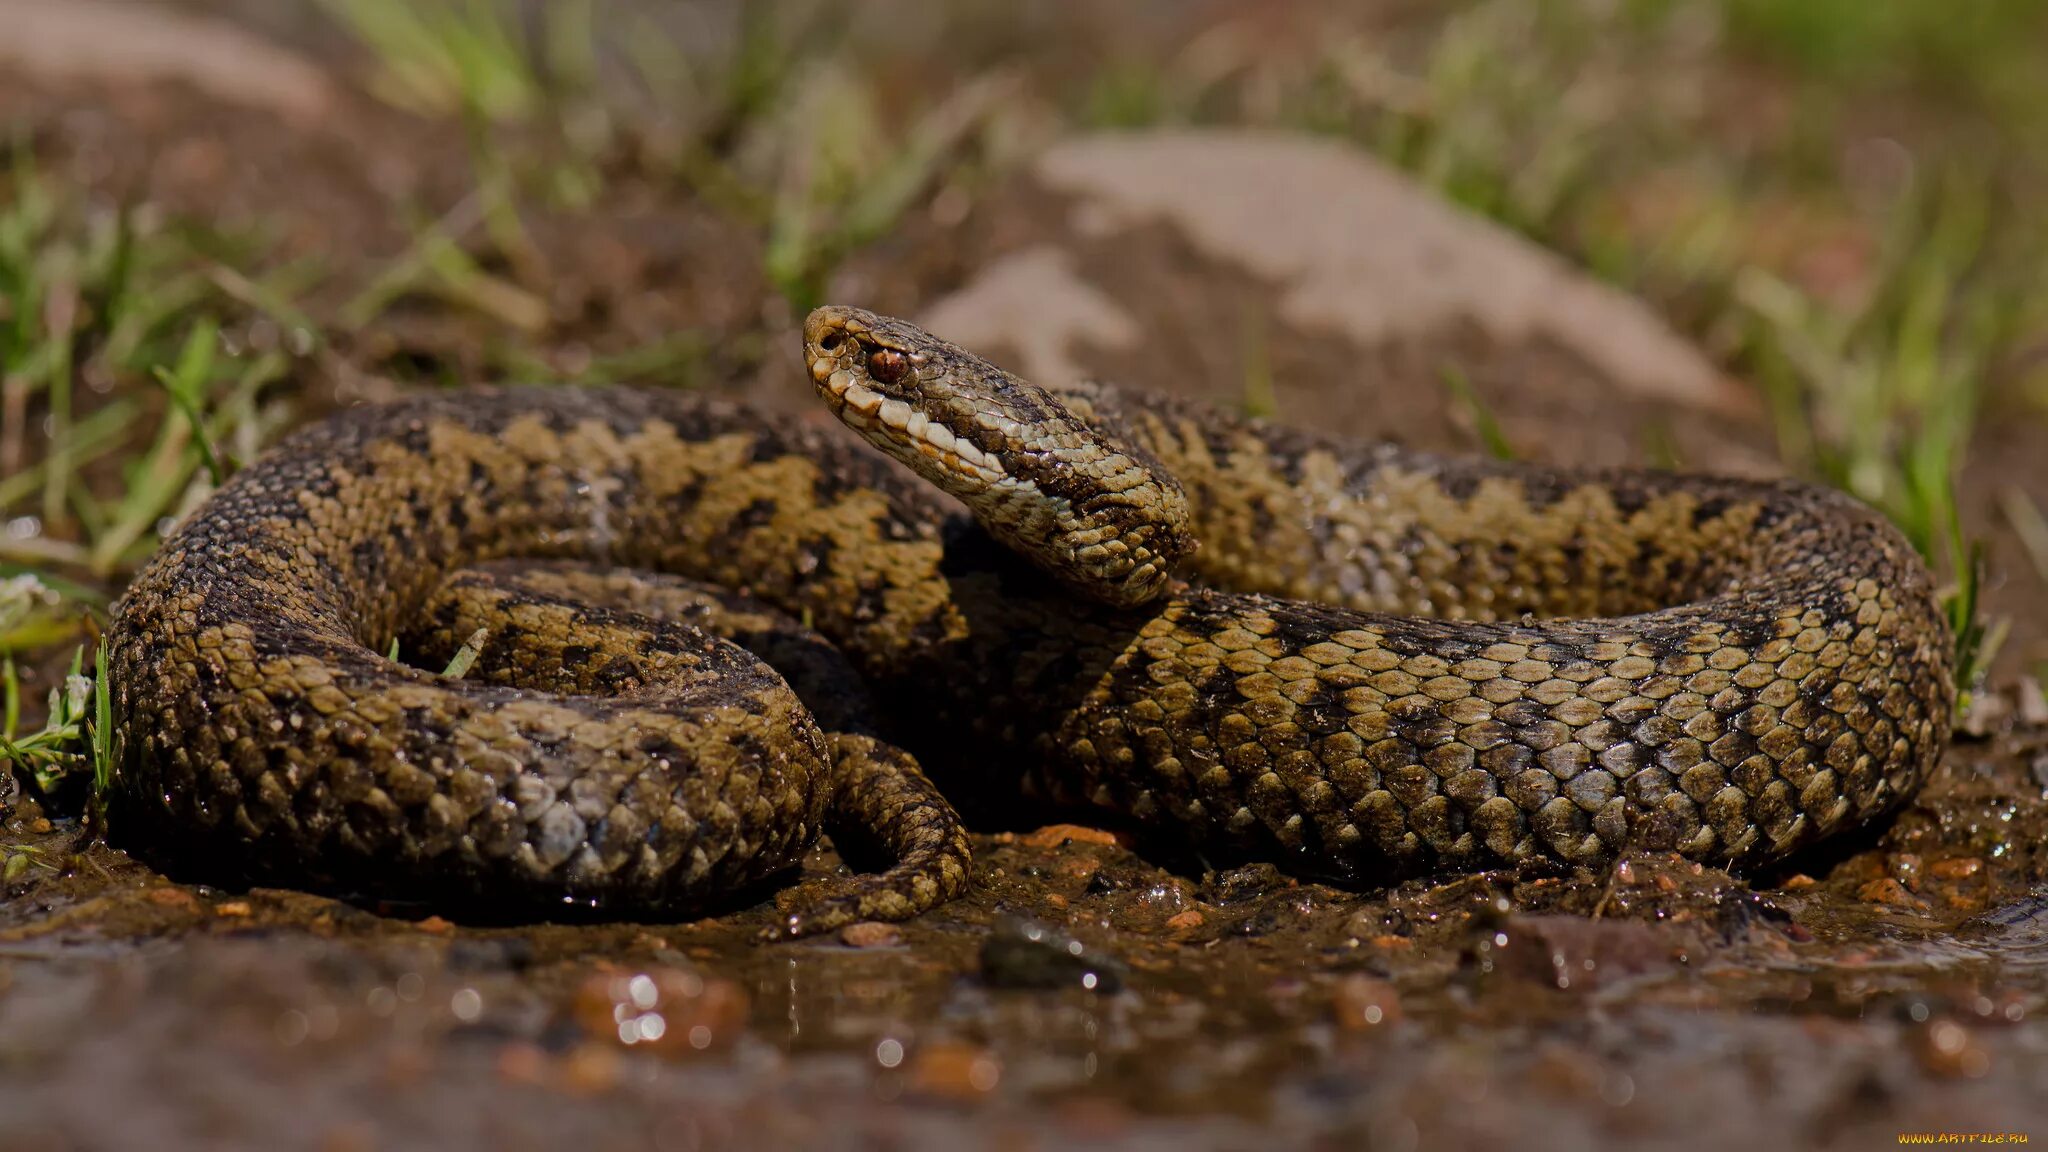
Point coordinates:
[[1893, 983]]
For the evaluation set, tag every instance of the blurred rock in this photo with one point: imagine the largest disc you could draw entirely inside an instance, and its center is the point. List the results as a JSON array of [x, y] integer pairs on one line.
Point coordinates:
[[1377, 286], [870, 934], [954, 1070], [1576, 953], [1363, 1003], [101, 40], [1022, 953]]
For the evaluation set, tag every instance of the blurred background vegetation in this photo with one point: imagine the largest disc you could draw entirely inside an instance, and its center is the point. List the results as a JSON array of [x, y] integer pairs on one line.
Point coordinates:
[[1838, 199]]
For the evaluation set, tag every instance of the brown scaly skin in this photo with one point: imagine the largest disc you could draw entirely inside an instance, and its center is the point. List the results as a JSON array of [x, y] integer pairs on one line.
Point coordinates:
[[594, 756], [1473, 663], [1616, 659]]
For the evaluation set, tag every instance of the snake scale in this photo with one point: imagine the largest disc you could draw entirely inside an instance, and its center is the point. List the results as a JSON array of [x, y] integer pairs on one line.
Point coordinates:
[[708, 634]]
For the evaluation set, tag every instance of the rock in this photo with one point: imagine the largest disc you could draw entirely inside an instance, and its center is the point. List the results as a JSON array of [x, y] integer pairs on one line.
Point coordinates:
[[955, 1070], [870, 934], [2022, 923], [105, 41], [487, 954], [523, 1064], [590, 1069], [1946, 1049], [1576, 953], [1957, 867], [1361, 249], [1888, 891], [1238, 885], [1026, 954], [668, 1011], [1393, 284], [172, 897], [2033, 702], [1035, 303], [1363, 1003], [1056, 835]]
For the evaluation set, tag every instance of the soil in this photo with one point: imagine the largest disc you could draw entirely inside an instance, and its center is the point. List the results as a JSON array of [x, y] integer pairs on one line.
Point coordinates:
[[1893, 983]]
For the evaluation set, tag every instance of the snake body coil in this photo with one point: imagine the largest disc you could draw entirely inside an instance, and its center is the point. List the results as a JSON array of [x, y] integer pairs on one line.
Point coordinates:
[[1380, 661]]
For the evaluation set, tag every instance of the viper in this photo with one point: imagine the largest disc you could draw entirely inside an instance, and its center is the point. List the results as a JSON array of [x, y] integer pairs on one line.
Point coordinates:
[[702, 635]]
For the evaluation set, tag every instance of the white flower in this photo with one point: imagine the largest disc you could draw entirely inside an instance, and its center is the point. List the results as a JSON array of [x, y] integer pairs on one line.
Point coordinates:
[[19, 596]]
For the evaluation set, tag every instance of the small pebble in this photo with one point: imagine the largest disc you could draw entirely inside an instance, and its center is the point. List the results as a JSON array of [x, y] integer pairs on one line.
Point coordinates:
[[1022, 953], [436, 926], [524, 1064], [870, 934], [668, 1011], [1947, 1050], [2033, 703], [1363, 1003], [176, 898], [1186, 921], [1958, 867], [955, 1070], [1364, 925], [1093, 1119], [1573, 952], [1079, 867], [360, 1136], [590, 1069], [407, 1064], [1246, 883], [1054, 835], [232, 908], [1889, 892]]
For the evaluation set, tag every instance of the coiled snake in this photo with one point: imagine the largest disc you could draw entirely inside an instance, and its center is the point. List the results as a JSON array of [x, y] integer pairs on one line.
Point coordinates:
[[1376, 661]]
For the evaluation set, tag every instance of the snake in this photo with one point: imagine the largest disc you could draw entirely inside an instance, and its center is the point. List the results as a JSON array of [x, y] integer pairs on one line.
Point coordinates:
[[701, 635]]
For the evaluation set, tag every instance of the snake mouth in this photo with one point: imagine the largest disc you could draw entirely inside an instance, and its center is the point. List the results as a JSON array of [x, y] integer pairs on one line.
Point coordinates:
[[882, 384]]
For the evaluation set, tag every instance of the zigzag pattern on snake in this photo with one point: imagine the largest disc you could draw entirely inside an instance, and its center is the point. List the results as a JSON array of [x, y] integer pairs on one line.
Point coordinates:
[[1354, 659]]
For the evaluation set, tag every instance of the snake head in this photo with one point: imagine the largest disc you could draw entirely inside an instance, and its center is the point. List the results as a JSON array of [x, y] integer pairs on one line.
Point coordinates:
[[1098, 514]]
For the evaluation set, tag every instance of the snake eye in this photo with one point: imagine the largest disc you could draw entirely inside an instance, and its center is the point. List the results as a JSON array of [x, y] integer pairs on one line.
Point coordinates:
[[888, 365]]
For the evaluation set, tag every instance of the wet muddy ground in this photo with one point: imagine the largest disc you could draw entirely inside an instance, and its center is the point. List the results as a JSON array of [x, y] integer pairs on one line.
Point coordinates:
[[1083, 994]]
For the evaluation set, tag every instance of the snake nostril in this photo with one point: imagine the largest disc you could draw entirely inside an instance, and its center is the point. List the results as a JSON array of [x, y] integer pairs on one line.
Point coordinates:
[[832, 341]]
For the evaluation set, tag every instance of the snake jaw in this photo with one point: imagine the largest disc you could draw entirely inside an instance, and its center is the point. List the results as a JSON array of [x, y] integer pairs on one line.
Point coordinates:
[[1096, 514], [910, 418]]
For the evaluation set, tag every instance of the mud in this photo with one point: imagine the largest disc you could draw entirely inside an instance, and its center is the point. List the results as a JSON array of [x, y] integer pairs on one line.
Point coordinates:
[[1894, 983]]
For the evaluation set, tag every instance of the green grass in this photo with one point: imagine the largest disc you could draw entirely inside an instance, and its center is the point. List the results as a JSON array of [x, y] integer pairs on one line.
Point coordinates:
[[135, 309], [129, 387], [1484, 424], [784, 135], [448, 57], [1985, 53], [2029, 527], [1546, 115], [466, 656], [1883, 400], [1258, 399], [59, 747]]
